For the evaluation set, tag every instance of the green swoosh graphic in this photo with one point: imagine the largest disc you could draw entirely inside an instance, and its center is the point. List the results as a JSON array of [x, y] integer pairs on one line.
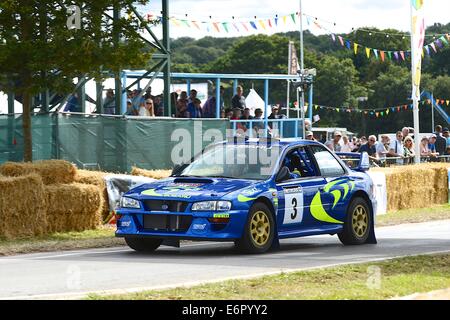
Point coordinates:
[[319, 213], [242, 198], [345, 186], [150, 192], [331, 185], [337, 196]]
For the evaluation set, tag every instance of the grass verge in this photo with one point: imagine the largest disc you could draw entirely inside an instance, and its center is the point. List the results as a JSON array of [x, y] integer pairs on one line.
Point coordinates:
[[104, 236], [439, 212], [380, 280], [99, 238]]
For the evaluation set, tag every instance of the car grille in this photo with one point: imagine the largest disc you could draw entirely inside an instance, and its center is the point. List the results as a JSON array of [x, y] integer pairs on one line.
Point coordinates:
[[165, 205], [166, 222]]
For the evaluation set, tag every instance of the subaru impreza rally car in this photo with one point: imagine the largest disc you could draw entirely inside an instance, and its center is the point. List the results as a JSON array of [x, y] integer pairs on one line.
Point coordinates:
[[253, 193]]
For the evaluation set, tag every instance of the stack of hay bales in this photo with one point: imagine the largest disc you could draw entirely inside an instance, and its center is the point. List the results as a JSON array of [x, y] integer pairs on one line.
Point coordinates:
[[22, 206], [155, 174], [67, 206], [417, 186], [73, 207], [96, 178]]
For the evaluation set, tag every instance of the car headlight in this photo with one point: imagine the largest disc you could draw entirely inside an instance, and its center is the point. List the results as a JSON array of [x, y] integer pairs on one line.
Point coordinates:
[[212, 206], [126, 202]]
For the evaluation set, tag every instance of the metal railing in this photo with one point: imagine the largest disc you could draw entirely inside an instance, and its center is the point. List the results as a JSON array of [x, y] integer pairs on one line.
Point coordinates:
[[277, 128], [385, 162]]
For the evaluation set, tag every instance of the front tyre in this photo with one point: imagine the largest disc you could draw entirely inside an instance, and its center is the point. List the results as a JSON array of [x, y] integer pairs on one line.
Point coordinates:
[[143, 244], [358, 223], [259, 230]]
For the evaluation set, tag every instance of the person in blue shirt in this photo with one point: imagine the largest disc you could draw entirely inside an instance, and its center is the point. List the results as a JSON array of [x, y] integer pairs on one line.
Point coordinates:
[[73, 104], [370, 147], [446, 135], [195, 109]]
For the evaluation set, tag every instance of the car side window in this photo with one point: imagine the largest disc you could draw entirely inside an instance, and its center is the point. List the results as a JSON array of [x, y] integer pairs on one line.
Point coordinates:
[[299, 163], [327, 163]]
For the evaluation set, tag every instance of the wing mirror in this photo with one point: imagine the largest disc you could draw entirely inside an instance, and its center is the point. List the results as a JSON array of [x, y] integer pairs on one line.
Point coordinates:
[[364, 163], [283, 175]]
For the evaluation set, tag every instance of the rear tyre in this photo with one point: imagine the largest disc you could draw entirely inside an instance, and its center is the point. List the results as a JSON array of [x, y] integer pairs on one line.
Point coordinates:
[[259, 230], [358, 223], [143, 244]]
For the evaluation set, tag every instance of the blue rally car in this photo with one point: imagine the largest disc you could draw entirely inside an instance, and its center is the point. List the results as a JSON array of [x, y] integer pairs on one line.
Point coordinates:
[[254, 193]]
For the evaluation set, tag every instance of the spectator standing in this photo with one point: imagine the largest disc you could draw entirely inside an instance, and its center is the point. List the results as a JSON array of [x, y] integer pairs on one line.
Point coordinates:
[[173, 102], [425, 150], [195, 109], [346, 145], [146, 109], [236, 114], [409, 152], [405, 133], [441, 142], [369, 147], [396, 148], [432, 144], [335, 143], [382, 146], [109, 104], [446, 135], [209, 108], [192, 95], [238, 100], [310, 136], [73, 104], [182, 106]]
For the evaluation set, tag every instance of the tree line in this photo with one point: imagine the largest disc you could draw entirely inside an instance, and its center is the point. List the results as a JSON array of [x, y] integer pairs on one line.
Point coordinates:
[[342, 77]]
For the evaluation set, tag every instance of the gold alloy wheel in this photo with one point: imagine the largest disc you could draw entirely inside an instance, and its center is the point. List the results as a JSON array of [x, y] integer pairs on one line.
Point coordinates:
[[260, 228], [360, 221]]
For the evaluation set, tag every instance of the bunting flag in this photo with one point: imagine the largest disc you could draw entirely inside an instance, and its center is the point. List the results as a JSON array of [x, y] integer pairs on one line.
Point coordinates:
[[271, 24], [379, 112]]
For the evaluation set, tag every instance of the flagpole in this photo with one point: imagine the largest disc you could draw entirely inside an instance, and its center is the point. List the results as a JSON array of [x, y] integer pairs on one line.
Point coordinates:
[[301, 103], [415, 98]]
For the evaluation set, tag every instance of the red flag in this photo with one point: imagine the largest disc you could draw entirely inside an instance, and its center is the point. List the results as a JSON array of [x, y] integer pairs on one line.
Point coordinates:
[[382, 55]]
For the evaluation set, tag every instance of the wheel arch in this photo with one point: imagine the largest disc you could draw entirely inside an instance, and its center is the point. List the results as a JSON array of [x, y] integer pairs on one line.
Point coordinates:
[[365, 196]]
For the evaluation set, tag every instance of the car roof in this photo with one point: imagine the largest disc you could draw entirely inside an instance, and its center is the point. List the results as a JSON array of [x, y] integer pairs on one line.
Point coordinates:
[[286, 142]]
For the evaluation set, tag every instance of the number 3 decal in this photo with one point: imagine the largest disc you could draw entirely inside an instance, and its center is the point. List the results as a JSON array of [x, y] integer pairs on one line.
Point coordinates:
[[293, 205]]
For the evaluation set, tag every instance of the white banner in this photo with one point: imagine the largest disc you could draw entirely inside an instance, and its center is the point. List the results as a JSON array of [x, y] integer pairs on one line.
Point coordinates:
[[379, 181], [417, 41]]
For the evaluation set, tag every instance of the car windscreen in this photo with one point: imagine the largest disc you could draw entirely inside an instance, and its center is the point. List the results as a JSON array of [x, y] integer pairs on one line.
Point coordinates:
[[235, 161]]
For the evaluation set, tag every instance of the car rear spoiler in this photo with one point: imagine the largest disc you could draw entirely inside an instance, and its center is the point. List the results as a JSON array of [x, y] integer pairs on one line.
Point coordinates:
[[355, 161]]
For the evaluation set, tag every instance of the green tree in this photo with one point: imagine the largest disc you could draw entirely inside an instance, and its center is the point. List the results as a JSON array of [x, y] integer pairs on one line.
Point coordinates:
[[40, 52]]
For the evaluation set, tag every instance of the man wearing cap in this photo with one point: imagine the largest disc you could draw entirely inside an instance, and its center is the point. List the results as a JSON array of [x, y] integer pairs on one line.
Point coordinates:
[[310, 136], [335, 144]]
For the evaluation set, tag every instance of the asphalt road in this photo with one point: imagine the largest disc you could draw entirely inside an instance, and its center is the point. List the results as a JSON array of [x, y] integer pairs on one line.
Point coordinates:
[[72, 274]]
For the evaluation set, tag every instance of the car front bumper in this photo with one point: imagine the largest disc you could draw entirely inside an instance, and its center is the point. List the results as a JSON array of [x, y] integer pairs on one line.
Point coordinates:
[[132, 224]]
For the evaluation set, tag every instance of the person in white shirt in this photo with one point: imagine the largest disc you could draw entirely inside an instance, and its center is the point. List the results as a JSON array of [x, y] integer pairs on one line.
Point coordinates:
[[396, 148], [346, 146], [380, 147], [335, 144]]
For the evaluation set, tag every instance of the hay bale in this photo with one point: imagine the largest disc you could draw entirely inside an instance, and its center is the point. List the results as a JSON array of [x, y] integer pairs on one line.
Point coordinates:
[[22, 206], [416, 186], [51, 171], [155, 174], [73, 207], [96, 178]]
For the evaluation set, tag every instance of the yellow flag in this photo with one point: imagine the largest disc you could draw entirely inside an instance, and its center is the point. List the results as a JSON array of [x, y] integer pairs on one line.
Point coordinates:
[[261, 23], [368, 52], [355, 45]]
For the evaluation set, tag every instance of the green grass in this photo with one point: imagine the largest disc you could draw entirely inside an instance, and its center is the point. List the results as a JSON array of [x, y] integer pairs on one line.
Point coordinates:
[[439, 212], [100, 238], [398, 277], [104, 237]]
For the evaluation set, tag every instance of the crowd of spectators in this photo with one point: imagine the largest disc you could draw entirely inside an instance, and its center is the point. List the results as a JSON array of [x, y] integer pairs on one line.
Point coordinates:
[[401, 148]]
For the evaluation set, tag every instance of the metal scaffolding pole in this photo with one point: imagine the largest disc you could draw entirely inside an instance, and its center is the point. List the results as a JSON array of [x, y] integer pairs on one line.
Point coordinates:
[[166, 70]]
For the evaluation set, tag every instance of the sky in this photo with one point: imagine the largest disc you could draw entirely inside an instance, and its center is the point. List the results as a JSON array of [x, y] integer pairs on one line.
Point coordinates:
[[347, 14]]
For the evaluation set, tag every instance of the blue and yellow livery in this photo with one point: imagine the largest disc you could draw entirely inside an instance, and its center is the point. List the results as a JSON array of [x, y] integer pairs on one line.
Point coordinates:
[[246, 192]]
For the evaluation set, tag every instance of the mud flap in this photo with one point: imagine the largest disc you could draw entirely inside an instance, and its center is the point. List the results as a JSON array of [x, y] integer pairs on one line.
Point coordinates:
[[275, 244], [171, 243], [372, 238]]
